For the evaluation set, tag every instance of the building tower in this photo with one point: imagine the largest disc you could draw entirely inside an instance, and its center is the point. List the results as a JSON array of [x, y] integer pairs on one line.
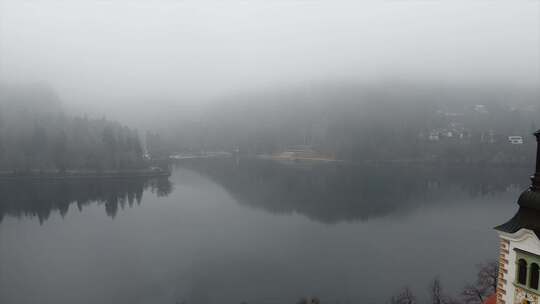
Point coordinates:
[[519, 260]]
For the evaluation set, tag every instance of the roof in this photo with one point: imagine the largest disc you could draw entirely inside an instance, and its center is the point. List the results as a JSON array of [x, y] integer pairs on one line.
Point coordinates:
[[530, 198], [527, 218], [492, 299]]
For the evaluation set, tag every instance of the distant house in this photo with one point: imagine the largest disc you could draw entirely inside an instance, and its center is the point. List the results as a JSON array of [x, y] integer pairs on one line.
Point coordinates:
[[515, 140], [452, 133], [302, 152], [464, 135], [480, 109], [488, 137], [434, 136], [449, 114]]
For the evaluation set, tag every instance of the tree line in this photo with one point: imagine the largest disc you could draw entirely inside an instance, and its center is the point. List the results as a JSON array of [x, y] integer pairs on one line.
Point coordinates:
[[473, 293], [37, 135], [356, 123]]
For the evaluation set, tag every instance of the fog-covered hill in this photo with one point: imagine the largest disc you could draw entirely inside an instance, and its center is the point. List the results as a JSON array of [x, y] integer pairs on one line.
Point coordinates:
[[353, 122], [36, 134]]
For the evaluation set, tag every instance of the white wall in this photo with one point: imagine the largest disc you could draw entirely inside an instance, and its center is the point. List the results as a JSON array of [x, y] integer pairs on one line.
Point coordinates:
[[525, 240]]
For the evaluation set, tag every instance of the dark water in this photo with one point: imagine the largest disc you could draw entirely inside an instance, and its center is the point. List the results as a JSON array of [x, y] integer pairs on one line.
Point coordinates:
[[256, 231]]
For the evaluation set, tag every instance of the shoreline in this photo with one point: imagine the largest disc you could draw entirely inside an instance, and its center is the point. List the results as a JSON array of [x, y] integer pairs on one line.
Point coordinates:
[[79, 175]]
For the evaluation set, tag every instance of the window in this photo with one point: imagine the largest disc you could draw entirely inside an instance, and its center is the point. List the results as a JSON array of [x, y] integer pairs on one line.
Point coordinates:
[[535, 272], [522, 272]]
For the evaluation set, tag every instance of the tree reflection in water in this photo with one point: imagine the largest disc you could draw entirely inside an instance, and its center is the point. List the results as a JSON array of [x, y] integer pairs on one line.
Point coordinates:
[[328, 193], [334, 192], [41, 198]]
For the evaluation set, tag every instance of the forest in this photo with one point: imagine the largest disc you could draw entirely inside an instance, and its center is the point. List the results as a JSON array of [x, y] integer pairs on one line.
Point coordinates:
[[36, 135], [355, 122]]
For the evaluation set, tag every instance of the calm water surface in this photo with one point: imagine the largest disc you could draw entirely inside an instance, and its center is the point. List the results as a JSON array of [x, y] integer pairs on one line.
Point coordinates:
[[221, 231]]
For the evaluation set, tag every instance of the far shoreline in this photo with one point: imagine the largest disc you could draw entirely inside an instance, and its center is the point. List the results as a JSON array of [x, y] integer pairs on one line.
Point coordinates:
[[82, 175]]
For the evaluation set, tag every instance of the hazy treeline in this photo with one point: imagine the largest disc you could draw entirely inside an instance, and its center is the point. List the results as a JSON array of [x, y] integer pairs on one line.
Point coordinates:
[[35, 134], [366, 123]]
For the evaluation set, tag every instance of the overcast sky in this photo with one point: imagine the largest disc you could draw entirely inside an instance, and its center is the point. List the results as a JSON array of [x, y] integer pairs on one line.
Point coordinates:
[[187, 52]]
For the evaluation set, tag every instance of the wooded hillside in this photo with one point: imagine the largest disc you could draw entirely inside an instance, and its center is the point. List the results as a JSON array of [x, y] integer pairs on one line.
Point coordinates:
[[37, 135]]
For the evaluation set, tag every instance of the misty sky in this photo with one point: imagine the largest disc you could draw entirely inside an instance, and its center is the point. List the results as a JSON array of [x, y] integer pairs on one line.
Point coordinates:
[[176, 53]]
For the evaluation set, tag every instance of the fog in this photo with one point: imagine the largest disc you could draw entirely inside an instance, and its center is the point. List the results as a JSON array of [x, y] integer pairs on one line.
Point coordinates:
[[265, 151], [133, 59]]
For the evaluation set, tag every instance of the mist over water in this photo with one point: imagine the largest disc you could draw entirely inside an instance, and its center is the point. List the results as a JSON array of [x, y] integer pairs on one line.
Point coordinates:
[[257, 232]]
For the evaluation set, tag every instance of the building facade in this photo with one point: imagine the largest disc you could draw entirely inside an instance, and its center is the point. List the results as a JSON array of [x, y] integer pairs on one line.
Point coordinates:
[[519, 259]]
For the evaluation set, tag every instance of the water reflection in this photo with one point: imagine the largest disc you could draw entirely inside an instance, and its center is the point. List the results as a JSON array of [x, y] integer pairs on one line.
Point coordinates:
[[205, 243], [331, 193], [40, 199], [327, 193]]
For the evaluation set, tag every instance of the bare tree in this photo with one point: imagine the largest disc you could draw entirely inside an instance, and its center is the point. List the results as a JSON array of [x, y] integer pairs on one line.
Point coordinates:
[[405, 297], [436, 292], [488, 274], [438, 296], [473, 294], [477, 293], [486, 284], [313, 300]]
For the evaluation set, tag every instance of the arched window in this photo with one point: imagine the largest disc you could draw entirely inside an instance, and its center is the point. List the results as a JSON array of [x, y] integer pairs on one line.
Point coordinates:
[[535, 274], [522, 272]]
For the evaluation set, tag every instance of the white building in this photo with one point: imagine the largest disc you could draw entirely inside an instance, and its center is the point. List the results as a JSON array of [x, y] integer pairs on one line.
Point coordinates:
[[519, 259], [480, 109], [515, 140]]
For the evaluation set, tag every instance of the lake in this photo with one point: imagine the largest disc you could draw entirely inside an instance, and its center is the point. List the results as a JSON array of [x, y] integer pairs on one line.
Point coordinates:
[[253, 231]]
